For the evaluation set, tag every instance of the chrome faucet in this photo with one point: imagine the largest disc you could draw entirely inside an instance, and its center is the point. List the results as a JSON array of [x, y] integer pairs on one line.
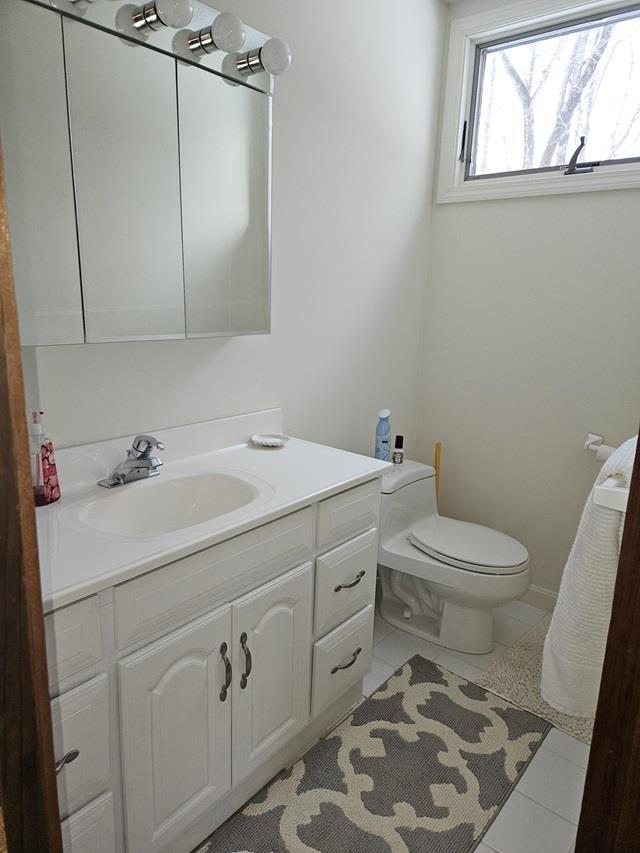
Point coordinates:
[[138, 465]]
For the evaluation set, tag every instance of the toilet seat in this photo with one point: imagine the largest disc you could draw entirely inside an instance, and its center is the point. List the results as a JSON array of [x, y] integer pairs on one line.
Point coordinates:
[[469, 546]]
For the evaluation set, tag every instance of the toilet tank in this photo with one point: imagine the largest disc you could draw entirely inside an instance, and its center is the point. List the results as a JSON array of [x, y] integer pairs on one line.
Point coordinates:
[[411, 485]]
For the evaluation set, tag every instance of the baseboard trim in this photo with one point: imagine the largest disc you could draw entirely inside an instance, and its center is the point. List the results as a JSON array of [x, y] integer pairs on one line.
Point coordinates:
[[539, 596]]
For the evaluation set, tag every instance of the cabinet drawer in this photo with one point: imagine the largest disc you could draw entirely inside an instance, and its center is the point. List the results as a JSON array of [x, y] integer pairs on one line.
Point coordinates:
[[166, 598], [81, 722], [345, 581], [74, 646], [341, 659], [348, 513], [90, 830]]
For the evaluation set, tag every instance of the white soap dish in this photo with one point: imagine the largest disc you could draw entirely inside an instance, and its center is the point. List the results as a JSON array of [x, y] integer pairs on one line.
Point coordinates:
[[269, 440]]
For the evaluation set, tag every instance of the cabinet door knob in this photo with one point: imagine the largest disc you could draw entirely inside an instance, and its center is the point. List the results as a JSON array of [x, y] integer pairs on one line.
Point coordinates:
[[353, 583], [66, 759], [248, 661], [354, 658], [228, 672]]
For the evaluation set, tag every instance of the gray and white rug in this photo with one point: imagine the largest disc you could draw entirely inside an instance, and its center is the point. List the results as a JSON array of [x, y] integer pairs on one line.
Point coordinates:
[[424, 764]]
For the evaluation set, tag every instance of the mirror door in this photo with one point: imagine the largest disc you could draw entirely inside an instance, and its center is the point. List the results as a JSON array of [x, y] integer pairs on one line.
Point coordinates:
[[122, 114], [35, 143], [225, 160]]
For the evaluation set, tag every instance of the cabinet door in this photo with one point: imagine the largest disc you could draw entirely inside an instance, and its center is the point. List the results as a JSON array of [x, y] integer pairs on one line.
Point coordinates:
[[123, 117], [225, 161], [272, 650], [37, 162], [176, 732]]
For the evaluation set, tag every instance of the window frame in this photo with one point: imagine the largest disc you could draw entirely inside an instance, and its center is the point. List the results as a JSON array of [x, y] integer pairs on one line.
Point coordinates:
[[468, 36]]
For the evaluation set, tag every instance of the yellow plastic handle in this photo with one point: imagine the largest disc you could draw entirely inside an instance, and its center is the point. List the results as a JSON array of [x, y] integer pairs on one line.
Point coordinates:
[[437, 459]]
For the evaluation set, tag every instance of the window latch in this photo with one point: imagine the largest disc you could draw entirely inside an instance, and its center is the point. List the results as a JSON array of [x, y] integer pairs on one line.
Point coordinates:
[[575, 168], [463, 143]]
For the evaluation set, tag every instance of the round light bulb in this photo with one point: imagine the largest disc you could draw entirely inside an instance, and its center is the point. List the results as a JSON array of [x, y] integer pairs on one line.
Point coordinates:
[[275, 56], [174, 13], [227, 32]]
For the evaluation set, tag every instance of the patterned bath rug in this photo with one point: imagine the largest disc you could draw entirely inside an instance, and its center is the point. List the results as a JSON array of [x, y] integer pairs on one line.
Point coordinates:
[[516, 677], [424, 764]]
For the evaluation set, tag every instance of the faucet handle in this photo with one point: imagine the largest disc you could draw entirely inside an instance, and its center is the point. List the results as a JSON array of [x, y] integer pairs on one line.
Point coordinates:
[[143, 445]]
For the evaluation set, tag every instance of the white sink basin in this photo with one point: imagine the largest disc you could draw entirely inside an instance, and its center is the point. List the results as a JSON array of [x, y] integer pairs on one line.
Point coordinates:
[[155, 506]]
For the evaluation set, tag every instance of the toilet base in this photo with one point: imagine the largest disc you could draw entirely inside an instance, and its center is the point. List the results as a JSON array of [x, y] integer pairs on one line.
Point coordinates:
[[461, 629]]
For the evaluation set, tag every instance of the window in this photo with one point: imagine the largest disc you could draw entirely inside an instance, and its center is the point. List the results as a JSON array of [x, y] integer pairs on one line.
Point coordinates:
[[536, 96], [543, 104]]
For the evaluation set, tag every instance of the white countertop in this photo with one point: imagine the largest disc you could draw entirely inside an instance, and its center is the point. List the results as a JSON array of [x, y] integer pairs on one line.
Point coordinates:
[[77, 560]]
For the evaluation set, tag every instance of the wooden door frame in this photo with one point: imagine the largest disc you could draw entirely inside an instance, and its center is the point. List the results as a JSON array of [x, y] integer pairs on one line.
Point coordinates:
[[609, 816], [28, 794]]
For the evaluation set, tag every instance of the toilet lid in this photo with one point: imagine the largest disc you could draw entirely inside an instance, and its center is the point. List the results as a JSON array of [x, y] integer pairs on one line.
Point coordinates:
[[469, 546]]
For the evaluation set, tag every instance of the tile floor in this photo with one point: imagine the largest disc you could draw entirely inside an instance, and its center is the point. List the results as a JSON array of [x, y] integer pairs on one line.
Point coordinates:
[[541, 814]]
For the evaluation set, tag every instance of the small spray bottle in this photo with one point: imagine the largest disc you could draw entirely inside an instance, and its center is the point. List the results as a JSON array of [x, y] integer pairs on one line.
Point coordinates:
[[383, 435], [398, 451]]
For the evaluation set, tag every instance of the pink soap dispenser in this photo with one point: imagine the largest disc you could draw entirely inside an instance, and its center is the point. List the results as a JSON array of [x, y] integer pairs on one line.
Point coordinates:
[[44, 474]]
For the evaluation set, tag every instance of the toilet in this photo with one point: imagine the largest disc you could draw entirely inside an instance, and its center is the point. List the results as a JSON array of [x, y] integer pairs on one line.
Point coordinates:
[[441, 578]]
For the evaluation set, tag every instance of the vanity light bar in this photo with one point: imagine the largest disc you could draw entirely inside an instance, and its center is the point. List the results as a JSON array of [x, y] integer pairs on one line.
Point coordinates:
[[226, 33], [274, 57], [162, 13]]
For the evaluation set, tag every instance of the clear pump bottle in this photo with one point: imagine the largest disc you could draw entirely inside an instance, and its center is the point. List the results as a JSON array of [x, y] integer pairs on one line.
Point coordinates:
[[44, 474]]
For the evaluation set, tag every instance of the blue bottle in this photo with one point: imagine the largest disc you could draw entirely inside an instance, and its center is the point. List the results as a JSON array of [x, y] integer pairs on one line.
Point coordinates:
[[383, 436]]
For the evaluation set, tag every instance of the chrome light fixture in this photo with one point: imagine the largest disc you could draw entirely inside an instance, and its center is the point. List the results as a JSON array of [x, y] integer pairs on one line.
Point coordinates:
[[225, 33], [274, 57], [162, 13]]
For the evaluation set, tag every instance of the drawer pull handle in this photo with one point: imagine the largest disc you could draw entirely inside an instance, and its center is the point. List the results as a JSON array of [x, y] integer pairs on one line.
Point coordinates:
[[227, 672], [66, 759], [354, 658], [248, 661], [351, 585]]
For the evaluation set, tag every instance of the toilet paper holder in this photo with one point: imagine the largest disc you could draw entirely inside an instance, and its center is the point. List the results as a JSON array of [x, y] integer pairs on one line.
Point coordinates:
[[595, 443]]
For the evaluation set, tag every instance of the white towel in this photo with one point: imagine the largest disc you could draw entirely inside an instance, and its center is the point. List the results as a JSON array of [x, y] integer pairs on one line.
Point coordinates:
[[575, 643]]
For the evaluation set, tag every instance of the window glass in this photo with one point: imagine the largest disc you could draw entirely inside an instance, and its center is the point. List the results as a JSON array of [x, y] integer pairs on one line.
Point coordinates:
[[537, 95]]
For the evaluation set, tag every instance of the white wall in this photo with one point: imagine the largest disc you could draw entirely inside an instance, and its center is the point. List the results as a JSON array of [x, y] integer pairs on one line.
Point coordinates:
[[354, 135], [531, 340]]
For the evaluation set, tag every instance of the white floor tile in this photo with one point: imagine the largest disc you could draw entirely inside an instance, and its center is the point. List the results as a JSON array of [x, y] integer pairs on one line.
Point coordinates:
[[523, 612], [555, 783], [569, 747], [399, 646], [381, 629], [482, 661], [526, 827], [449, 661], [378, 673], [508, 630], [483, 848]]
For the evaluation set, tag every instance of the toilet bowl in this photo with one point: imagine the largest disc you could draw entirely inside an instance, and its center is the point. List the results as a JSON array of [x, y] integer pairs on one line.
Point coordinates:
[[441, 578]]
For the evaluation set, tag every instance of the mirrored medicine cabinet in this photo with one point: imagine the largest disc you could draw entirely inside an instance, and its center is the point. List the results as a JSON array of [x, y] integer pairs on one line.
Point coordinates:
[[138, 184]]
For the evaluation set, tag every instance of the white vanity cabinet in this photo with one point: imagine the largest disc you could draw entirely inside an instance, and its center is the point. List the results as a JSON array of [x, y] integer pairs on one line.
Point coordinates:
[[249, 661], [221, 668]]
